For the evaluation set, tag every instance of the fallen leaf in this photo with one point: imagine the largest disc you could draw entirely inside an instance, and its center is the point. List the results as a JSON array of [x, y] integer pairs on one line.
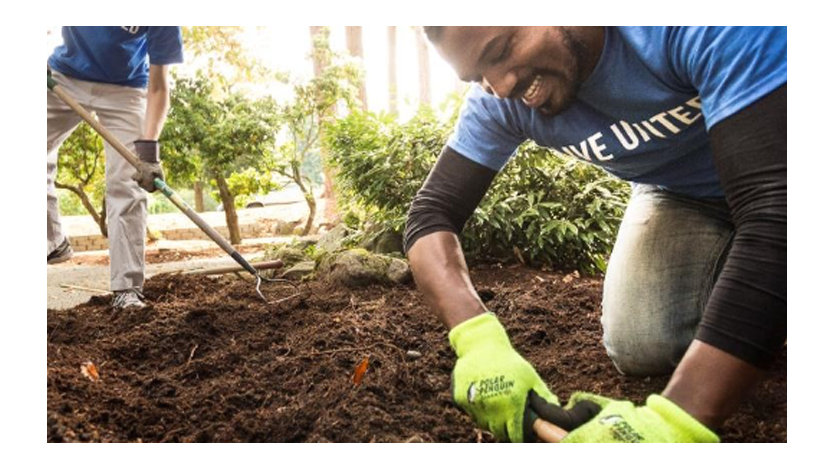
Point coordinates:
[[360, 370], [89, 370], [571, 277]]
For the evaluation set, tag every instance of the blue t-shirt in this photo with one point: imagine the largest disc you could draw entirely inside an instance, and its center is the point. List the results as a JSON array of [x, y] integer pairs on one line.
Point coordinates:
[[116, 54], [644, 112]]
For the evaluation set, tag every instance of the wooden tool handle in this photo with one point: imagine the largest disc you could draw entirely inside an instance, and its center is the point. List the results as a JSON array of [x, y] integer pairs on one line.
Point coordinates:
[[547, 431], [231, 269], [105, 134]]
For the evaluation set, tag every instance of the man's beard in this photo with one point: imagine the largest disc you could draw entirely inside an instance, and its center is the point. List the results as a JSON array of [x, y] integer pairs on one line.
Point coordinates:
[[577, 52]]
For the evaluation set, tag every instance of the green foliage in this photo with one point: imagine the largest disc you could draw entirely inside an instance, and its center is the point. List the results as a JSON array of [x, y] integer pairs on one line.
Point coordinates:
[[550, 210], [216, 133], [541, 208], [245, 183], [81, 160], [313, 104], [159, 204], [69, 204], [382, 164], [214, 136]]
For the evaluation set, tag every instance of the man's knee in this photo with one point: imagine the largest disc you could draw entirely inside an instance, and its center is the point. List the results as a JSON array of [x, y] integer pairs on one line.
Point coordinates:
[[643, 352]]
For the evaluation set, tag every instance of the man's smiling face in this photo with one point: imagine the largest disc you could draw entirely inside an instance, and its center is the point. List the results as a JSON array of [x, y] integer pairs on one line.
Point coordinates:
[[541, 65]]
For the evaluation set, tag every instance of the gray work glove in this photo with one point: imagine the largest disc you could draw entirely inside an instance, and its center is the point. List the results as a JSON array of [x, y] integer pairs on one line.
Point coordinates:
[[149, 167]]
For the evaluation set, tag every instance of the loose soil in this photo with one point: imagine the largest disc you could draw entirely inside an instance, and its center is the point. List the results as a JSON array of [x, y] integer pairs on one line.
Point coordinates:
[[207, 361]]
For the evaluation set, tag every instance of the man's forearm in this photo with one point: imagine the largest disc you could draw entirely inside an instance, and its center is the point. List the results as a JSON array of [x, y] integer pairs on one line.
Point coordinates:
[[158, 102], [441, 274], [709, 383]]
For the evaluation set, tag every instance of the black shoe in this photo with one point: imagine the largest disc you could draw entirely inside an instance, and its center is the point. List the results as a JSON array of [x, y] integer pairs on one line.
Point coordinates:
[[60, 254]]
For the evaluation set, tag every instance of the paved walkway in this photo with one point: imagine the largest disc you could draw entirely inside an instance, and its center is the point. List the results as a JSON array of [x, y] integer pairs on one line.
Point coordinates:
[[87, 274]]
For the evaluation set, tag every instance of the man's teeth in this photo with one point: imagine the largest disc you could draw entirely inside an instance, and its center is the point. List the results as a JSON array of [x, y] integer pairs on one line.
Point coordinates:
[[533, 89]]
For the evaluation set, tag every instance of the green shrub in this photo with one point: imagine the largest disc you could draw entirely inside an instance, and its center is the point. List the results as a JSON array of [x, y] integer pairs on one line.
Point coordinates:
[[542, 208], [381, 164]]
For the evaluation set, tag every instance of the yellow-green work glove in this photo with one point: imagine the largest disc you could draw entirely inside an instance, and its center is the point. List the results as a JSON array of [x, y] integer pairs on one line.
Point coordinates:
[[490, 381], [659, 420]]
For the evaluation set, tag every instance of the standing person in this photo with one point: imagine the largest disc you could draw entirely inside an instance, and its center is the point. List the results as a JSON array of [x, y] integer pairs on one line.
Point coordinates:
[[121, 74], [696, 285]]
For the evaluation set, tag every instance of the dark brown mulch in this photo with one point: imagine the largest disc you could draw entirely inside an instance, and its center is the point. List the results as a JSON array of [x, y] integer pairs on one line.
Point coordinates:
[[209, 362]]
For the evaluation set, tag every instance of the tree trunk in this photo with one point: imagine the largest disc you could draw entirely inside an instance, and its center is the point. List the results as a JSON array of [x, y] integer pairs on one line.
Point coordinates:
[[309, 197], [229, 208], [199, 202], [100, 218], [392, 70], [423, 66], [329, 193], [318, 64], [353, 37], [311, 204]]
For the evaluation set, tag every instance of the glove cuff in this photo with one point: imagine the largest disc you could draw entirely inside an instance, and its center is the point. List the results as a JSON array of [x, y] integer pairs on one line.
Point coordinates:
[[690, 429], [147, 150], [484, 329]]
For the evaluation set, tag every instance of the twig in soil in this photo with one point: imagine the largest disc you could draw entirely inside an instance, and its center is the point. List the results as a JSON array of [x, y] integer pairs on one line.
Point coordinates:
[[168, 435], [191, 355], [86, 289], [284, 299], [360, 348]]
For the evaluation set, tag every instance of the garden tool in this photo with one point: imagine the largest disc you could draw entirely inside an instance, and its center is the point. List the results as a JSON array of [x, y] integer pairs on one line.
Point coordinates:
[[547, 431], [160, 184]]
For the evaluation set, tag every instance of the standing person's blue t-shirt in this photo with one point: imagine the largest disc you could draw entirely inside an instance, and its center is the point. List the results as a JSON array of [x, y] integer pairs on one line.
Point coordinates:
[[119, 55], [644, 112]]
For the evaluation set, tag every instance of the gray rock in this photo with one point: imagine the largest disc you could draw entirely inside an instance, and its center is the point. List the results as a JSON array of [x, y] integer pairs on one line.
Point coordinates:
[[411, 354], [332, 240], [389, 242], [289, 254], [384, 242], [399, 271], [354, 268], [306, 241], [283, 227], [299, 270]]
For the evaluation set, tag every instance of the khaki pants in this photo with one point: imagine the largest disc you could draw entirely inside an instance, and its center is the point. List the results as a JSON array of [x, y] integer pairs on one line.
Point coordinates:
[[122, 111]]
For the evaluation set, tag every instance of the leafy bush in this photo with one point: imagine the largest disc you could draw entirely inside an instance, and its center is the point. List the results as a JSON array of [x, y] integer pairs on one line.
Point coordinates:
[[542, 208], [381, 164]]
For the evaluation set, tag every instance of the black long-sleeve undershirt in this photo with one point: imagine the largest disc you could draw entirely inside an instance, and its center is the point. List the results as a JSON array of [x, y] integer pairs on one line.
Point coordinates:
[[449, 196], [746, 314]]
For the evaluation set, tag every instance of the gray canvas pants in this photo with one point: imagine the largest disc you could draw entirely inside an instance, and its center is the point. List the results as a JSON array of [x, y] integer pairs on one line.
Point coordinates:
[[122, 111]]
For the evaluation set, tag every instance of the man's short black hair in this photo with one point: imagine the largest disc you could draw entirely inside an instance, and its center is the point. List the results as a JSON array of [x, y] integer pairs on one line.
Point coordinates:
[[433, 32]]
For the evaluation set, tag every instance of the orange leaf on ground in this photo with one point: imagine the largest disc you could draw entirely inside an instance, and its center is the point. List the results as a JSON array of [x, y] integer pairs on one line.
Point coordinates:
[[89, 370], [360, 370]]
